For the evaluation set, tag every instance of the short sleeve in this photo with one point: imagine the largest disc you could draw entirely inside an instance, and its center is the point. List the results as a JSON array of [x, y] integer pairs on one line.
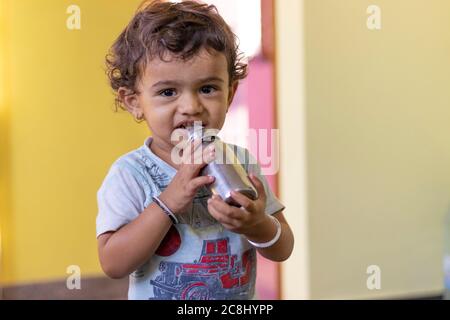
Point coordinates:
[[120, 200], [273, 204]]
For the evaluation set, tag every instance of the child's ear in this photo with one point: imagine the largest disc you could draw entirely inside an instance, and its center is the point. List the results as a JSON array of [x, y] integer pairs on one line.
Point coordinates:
[[130, 101], [232, 93]]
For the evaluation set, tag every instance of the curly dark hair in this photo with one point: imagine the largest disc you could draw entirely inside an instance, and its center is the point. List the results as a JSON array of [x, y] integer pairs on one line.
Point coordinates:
[[182, 29]]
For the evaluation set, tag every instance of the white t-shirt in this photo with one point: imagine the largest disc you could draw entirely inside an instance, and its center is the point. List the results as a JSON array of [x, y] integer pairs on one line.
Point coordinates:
[[198, 258]]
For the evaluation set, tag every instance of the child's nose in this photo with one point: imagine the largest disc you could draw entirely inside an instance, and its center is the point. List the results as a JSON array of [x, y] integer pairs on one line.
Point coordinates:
[[191, 104]]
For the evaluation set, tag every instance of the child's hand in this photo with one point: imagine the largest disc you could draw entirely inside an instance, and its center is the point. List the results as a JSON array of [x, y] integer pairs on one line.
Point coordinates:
[[240, 220], [183, 187]]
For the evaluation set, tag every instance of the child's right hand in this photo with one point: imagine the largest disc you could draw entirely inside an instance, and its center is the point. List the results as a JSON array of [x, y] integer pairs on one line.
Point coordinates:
[[182, 189]]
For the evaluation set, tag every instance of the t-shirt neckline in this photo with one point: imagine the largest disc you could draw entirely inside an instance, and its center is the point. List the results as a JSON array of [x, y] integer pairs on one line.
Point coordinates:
[[167, 168]]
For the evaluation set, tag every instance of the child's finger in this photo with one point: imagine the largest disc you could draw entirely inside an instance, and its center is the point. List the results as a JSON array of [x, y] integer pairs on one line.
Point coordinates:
[[206, 155], [259, 187], [219, 215], [244, 201], [226, 209], [189, 151], [198, 182], [210, 148]]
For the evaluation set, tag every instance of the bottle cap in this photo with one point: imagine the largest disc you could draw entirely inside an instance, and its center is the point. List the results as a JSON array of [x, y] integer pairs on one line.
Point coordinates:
[[199, 132]]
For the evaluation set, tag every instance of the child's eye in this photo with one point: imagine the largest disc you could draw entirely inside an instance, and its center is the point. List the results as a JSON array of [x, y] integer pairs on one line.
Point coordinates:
[[207, 89], [168, 93]]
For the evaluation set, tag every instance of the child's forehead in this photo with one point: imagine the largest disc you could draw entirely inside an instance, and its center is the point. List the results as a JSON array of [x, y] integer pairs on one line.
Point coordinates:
[[201, 65]]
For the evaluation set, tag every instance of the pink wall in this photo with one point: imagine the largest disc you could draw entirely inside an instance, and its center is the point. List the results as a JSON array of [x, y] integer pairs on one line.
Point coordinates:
[[260, 101], [255, 101]]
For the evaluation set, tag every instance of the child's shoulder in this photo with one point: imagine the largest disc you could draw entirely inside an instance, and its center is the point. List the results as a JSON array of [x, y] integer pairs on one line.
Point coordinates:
[[132, 159], [142, 166]]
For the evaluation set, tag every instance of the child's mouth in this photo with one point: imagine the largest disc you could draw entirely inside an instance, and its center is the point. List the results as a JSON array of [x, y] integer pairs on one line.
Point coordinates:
[[191, 125]]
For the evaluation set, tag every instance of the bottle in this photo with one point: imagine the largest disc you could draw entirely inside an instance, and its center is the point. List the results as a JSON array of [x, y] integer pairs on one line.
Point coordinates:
[[228, 172], [446, 260]]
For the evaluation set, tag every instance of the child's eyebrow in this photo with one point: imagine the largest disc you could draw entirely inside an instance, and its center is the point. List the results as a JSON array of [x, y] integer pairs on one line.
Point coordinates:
[[211, 79], [175, 83]]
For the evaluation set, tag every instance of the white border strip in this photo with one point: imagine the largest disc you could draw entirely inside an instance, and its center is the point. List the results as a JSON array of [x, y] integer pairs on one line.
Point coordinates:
[[289, 27]]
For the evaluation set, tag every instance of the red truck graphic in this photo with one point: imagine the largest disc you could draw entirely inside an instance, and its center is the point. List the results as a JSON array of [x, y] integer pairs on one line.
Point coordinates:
[[217, 274]]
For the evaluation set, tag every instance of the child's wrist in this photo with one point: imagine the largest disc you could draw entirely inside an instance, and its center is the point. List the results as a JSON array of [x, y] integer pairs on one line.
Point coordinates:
[[259, 232], [170, 202]]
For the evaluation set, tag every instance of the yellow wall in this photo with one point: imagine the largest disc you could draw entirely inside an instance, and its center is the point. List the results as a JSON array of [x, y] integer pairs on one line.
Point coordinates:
[[4, 197], [62, 136], [377, 146]]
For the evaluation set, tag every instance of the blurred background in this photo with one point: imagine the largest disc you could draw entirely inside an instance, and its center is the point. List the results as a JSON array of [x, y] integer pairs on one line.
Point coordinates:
[[360, 93]]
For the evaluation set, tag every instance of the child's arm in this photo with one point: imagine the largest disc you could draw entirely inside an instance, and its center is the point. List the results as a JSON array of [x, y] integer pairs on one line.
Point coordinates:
[[123, 251], [252, 222], [282, 249]]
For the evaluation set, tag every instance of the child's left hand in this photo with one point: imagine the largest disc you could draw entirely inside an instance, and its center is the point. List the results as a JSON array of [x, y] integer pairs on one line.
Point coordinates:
[[240, 220]]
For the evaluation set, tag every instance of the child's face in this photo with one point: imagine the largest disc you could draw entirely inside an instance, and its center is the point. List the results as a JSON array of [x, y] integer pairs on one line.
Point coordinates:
[[176, 93]]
